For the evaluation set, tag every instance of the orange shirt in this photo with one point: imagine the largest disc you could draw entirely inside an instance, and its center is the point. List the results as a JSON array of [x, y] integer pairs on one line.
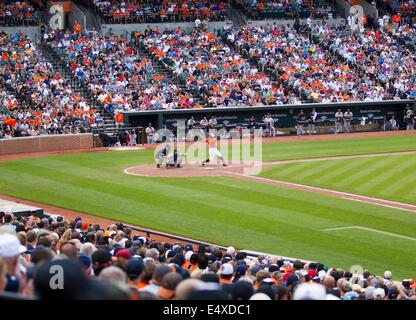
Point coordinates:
[[211, 142], [119, 117]]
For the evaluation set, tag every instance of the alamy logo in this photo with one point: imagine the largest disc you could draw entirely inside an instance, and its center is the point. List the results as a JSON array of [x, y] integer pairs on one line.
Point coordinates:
[[56, 21], [239, 148], [355, 20], [57, 280]]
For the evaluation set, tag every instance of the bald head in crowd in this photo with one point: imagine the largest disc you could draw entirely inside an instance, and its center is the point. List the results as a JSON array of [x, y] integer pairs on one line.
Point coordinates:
[[69, 249]]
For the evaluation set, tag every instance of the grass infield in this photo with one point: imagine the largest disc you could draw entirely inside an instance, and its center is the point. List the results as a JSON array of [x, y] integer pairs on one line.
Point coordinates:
[[244, 214]]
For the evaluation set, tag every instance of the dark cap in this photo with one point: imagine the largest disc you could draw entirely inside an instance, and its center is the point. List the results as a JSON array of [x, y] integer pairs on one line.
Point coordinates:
[[134, 267], [242, 290], [292, 279]]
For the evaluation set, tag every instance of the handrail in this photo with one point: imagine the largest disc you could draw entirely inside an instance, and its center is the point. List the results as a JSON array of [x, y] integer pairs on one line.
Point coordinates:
[[249, 253]]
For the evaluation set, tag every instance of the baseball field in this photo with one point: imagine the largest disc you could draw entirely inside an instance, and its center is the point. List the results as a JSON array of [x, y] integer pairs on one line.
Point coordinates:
[[257, 213]]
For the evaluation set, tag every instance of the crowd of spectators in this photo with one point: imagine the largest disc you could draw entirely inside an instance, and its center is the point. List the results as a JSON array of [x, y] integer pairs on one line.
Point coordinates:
[[148, 11], [297, 61], [20, 13], [287, 9], [220, 74], [333, 63], [48, 104], [114, 262], [116, 74], [387, 63]]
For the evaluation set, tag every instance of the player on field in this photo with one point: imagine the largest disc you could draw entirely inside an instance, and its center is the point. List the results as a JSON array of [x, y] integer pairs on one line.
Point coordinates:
[[161, 155], [174, 159], [213, 151]]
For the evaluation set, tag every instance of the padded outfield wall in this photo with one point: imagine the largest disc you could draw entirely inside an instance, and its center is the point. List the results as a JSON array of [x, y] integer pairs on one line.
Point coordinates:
[[46, 143]]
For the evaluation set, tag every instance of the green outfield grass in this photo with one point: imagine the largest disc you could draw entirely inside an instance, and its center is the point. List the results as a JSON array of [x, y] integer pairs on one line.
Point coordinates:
[[389, 177], [229, 211], [337, 147]]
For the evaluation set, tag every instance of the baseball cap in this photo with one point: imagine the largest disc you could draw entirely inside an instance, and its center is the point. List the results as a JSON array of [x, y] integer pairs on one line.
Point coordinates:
[[273, 268], [392, 294], [189, 247], [351, 295], [210, 277], [123, 253], [241, 269], [10, 246], [212, 258], [230, 250], [134, 267], [255, 269], [369, 293], [242, 290], [387, 274], [379, 294], [260, 296], [84, 260], [307, 291], [292, 279], [188, 255], [227, 269]]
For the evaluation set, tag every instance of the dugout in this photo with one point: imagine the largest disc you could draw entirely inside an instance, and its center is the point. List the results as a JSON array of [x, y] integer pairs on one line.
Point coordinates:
[[368, 116]]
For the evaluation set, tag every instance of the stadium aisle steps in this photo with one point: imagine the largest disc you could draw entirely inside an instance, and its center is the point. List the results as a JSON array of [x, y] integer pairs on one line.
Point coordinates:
[[163, 70], [109, 121]]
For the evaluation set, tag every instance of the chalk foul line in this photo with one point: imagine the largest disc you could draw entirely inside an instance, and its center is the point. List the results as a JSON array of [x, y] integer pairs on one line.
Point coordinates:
[[371, 230], [344, 195]]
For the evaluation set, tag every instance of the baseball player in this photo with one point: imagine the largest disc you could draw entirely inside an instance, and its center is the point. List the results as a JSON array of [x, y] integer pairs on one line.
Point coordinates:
[[174, 159], [301, 122], [311, 121], [347, 120], [213, 151], [161, 155], [270, 125], [338, 121], [150, 131]]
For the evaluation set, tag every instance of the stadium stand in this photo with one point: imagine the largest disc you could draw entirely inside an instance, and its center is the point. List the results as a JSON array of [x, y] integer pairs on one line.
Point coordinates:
[[20, 13], [101, 262], [43, 101], [114, 72], [252, 65], [286, 9], [221, 76], [159, 11]]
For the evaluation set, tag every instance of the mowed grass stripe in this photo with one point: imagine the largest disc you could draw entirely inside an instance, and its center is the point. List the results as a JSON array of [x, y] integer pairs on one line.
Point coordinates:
[[326, 148], [391, 174], [371, 181], [333, 209], [369, 170], [330, 169]]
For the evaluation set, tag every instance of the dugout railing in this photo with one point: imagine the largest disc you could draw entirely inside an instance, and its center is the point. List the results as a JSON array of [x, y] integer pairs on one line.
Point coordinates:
[[108, 137], [249, 253]]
